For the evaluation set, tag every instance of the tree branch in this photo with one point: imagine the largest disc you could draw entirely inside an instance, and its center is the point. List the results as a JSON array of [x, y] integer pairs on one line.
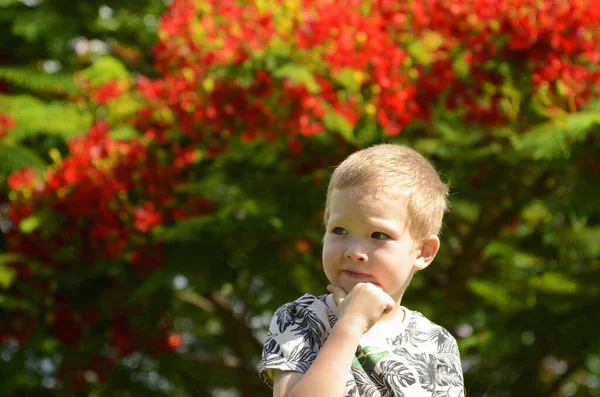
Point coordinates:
[[475, 242], [197, 300], [240, 339], [237, 335]]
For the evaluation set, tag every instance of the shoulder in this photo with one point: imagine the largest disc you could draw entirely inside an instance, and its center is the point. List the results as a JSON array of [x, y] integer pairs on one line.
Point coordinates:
[[306, 302], [425, 332], [304, 312], [297, 331]]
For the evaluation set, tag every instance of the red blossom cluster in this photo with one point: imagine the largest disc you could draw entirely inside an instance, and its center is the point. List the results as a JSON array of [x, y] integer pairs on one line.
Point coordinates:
[[234, 30], [99, 205], [404, 57], [525, 43], [5, 123], [107, 192], [271, 102], [210, 110], [107, 92], [346, 38]]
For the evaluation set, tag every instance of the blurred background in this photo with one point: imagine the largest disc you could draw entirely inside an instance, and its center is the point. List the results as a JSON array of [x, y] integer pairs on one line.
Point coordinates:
[[163, 167]]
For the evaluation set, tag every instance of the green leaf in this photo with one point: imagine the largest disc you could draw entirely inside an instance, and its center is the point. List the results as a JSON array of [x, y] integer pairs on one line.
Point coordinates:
[[511, 254], [576, 244], [491, 292], [40, 81], [466, 209], [478, 339], [34, 117], [423, 50], [123, 107], [592, 106], [13, 157], [461, 67], [555, 283], [185, 230], [350, 79], [536, 212], [50, 344], [338, 123], [125, 132], [553, 140], [28, 25], [30, 224], [298, 74], [106, 69], [7, 275], [458, 134]]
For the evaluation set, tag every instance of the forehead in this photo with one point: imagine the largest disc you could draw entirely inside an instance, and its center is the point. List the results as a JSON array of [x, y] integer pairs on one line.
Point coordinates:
[[359, 201]]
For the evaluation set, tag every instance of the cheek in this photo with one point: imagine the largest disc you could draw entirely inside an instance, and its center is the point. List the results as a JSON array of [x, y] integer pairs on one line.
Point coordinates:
[[331, 249], [386, 261], [329, 261]]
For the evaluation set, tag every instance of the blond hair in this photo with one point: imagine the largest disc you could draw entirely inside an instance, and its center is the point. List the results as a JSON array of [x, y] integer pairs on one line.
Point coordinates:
[[402, 172]]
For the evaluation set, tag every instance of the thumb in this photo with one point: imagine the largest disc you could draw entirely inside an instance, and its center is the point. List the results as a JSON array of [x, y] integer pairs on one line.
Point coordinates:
[[389, 304], [338, 294], [386, 299]]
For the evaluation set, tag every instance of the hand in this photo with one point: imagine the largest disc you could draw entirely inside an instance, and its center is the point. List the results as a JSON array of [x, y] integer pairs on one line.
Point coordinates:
[[363, 306]]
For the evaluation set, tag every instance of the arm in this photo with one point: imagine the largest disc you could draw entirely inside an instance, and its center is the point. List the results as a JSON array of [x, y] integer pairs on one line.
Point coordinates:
[[328, 374], [450, 377]]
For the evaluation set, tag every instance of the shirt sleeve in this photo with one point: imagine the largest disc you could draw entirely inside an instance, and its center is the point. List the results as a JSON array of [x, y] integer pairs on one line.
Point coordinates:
[[296, 334], [450, 381]]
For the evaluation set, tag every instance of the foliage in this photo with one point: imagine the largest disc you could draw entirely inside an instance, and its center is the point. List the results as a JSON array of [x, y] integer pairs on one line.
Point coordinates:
[[190, 196]]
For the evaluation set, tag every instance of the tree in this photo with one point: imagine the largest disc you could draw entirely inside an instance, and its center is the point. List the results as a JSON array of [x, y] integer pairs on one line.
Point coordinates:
[[193, 204]]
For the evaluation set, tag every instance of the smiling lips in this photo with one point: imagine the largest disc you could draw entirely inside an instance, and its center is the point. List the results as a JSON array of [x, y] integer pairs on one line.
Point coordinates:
[[356, 276]]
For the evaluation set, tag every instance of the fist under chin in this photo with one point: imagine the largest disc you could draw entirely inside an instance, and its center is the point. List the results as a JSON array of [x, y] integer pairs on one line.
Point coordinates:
[[356, 284]]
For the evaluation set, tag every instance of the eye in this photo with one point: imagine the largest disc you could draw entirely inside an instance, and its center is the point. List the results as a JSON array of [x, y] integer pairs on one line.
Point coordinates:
[[380, 236], [339, 231]]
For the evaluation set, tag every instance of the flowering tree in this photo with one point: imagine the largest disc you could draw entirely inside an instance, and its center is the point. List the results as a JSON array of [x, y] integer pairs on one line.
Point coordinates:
[[153, 233]]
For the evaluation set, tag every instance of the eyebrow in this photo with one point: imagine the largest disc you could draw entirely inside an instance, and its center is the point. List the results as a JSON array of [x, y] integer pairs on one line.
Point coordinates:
[[374, 223], [384, 225]]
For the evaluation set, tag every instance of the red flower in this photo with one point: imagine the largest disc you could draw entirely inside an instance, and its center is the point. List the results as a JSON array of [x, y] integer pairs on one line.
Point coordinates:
[[146, 217], [107, 92], [21, 179], [175, 340], [5, 124]]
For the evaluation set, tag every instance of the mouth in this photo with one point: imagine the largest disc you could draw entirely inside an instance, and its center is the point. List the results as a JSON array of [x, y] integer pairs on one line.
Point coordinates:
[[356, 275]]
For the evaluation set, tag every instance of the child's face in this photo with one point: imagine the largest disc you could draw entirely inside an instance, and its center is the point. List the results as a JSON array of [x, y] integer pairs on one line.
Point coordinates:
[[366, 240]]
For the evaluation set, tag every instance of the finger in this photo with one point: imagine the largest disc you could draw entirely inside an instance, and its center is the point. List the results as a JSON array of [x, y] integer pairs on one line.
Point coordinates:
[[388, 302], [338, 294], [334, 289]]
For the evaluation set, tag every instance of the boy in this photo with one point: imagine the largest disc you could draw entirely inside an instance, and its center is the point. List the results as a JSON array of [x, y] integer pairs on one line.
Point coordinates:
[[383, 215]]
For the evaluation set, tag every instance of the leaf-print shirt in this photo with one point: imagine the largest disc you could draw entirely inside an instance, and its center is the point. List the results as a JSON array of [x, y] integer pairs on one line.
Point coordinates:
[[418, 359]]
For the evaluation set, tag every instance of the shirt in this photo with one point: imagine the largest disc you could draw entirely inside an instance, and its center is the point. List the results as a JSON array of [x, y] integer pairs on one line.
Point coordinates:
[[418, 359]]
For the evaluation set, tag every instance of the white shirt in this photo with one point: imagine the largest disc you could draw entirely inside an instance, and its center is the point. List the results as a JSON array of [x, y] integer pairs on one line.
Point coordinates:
[[418, 359]]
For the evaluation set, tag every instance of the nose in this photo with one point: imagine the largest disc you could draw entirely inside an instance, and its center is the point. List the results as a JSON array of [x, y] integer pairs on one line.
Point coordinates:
[[356, 254]]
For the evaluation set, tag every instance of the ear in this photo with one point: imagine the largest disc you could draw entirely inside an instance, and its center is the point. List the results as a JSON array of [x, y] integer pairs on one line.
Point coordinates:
[[427, 252]]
